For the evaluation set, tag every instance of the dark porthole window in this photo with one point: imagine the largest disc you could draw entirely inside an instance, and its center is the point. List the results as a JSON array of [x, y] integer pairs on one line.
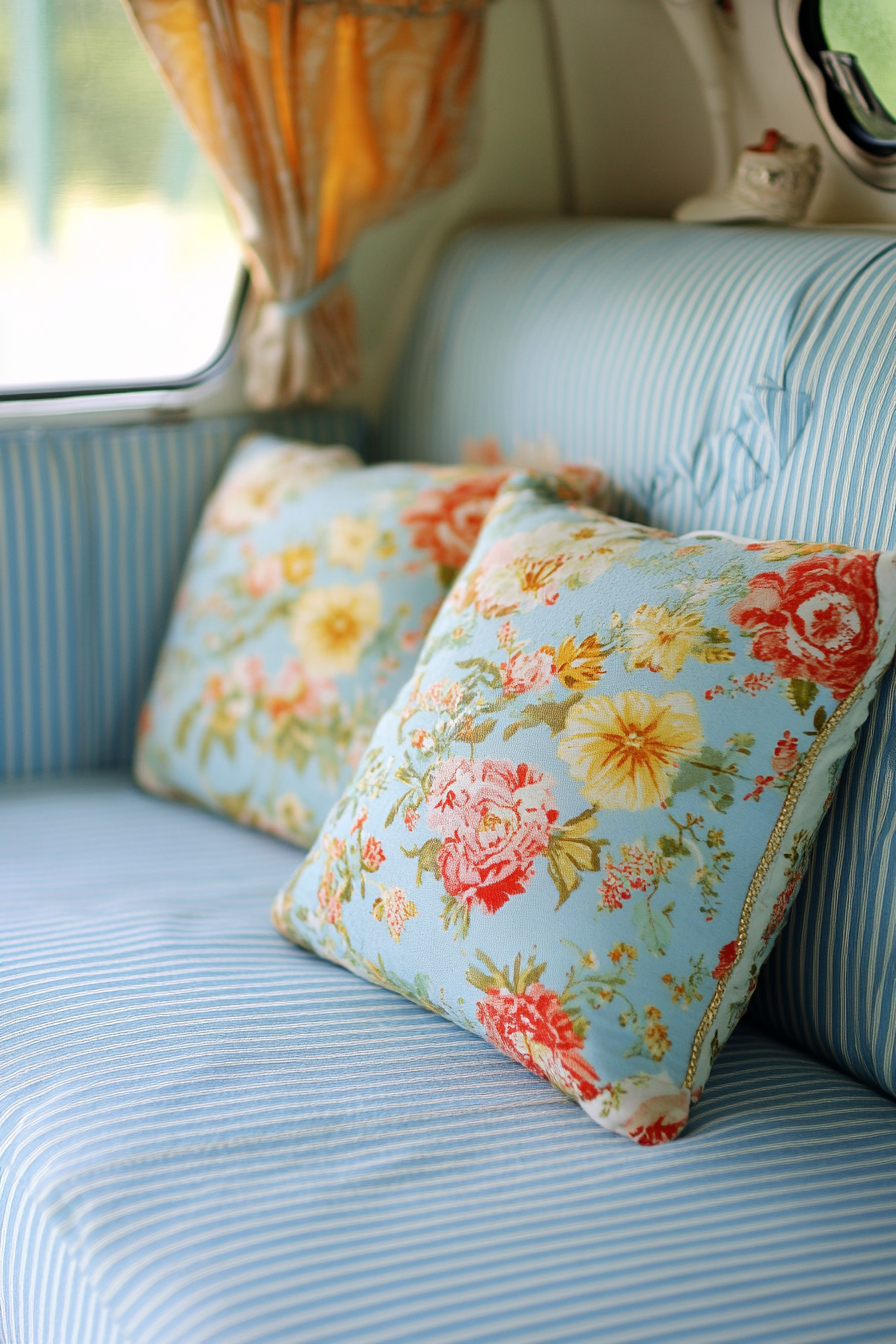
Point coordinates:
[[845, 54]]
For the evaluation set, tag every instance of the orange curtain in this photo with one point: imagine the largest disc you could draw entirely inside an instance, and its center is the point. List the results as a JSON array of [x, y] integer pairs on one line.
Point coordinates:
[[320, 117]]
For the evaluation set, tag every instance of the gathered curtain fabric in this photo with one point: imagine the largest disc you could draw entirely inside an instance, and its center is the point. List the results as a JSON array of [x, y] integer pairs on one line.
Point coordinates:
[[320, 117]]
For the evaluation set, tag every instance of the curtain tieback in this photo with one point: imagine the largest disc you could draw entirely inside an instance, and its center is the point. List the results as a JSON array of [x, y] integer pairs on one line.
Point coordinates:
[[305, 302]]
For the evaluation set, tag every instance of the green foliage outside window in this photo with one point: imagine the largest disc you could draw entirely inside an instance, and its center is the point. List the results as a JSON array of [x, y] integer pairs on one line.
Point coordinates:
[[113, 127], [866, 29]]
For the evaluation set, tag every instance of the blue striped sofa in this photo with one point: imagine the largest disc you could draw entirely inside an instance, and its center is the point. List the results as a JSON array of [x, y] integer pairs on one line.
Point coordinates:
[[210, 1136]]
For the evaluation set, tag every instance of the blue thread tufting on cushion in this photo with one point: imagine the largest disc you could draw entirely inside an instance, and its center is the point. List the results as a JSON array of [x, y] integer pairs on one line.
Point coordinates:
[[768, 426]]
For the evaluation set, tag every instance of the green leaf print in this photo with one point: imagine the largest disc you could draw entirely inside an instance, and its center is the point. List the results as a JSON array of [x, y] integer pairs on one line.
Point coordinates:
[[654, 926], [185, 725], [487, 671], [570, 853], [551, 712], [800, 693], [474, 733], [427, 856]]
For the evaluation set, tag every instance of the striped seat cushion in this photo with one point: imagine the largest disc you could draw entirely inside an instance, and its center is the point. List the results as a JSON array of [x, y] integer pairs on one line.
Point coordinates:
[[209, 1135], [728, 378]]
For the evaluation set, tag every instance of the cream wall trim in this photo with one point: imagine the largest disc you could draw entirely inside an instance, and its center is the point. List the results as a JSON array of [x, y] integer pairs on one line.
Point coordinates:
[[639, 128], [566, 167], [698, 29], [515, 175], [220, 393]]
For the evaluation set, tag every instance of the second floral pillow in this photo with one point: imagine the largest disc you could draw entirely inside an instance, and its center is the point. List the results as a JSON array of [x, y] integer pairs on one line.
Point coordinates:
[[306, 595], [581, 824]]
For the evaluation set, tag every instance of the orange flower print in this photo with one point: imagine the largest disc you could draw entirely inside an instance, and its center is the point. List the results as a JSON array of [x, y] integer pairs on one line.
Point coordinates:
[[535, 1029], [656, 1036], [372, 855], [329, 898], [445, 520]]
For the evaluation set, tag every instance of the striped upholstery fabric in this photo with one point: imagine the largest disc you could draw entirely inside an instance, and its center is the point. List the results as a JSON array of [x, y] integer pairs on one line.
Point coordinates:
[[209, 1135], [729, 378], [94, 526]]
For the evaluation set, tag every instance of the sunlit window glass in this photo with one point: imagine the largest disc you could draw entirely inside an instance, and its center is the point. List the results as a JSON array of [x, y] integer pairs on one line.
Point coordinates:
[[117, 259], [866, 29]]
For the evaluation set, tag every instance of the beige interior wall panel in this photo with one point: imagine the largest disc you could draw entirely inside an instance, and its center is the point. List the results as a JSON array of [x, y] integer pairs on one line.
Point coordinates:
[[639, 129], [515, 174]]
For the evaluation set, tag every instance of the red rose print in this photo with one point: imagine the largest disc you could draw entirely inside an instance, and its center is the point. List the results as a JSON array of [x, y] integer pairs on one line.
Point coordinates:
[[293, 693], [816, 621], [727, 958], [496, 818], [786, 754], [329, 898], [761, 782], [446, 520], [534, 1029], [659, 1130], [526, 672], [372, 856], [780, 908]]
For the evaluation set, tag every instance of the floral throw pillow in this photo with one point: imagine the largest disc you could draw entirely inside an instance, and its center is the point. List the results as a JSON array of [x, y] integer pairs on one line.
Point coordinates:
[[579, 827], [307, 593]]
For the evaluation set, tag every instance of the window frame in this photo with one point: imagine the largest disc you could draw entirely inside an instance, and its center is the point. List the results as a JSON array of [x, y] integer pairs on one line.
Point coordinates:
[[178, 393], [800, 25]]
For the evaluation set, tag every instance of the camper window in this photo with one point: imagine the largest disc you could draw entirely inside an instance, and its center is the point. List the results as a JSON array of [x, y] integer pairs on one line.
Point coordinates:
[[118, 264]]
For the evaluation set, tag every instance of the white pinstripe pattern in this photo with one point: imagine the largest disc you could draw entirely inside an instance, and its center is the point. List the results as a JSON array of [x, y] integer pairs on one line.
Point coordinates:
[[94, 526], [631, 344], [209, 1135]]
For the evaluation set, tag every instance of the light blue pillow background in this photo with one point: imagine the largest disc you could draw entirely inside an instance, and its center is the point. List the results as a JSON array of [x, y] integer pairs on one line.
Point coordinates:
[[215, 730]]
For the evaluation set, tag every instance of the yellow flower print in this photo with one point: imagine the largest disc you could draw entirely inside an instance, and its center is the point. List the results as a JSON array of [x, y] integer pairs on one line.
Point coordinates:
[[529, 569], [622, 950], [625, 750], [298, 563], [292, 819], [656, 1035], [662, 640], [578, 666], [350, 540], [332, 626], [786, 550]]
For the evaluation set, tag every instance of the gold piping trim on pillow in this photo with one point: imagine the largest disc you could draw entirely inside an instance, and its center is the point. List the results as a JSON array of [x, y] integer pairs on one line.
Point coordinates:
[[765, 863]]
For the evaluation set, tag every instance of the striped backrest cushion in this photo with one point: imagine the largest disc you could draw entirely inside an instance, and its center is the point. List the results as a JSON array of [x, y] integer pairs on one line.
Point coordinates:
[[94, 527], [728, 378]]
